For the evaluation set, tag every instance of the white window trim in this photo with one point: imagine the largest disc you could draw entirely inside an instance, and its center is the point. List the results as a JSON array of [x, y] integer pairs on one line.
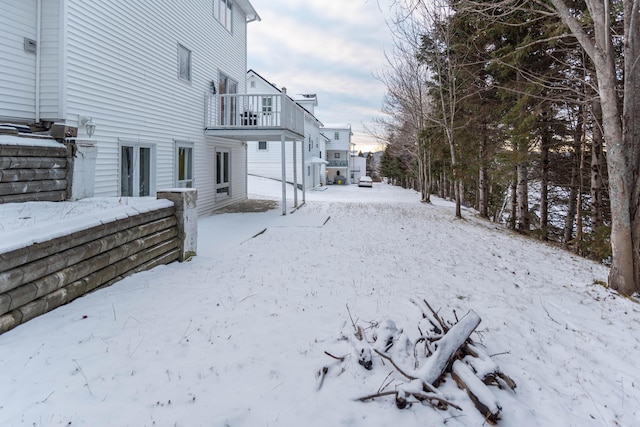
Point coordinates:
[[224, 13], [183, 144], [267, 104], [182, 48], [222, 196], [262, 149], [136, 162], [229, 115]]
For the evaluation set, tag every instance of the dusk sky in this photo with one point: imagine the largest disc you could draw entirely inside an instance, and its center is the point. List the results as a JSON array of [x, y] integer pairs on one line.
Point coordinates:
[[330, 48]]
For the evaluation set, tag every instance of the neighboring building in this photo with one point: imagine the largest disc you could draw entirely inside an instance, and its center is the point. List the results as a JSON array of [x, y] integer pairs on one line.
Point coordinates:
[[358, 167], [265, 157], [339, 153], [146, 74]]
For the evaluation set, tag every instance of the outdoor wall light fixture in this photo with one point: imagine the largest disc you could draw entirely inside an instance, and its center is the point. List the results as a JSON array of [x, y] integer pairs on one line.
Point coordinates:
[[89, 125]]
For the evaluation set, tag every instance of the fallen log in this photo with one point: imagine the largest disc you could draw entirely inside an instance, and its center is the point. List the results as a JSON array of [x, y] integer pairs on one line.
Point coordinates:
[[478, 392], [486, 369], [448, 345], [448, 350]]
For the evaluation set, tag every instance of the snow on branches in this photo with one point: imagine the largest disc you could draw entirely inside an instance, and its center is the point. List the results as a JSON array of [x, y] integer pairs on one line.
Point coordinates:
[[420, 365]]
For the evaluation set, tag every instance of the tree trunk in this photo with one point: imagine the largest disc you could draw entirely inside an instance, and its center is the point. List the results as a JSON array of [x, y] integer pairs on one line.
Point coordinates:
[[483, 178], [545, 144], [426, 171], [580, 140], [514, 200], [597, 185], [575, 180], [523, 224], [455, 179], [573, 195], [631, 127], [621, 131]]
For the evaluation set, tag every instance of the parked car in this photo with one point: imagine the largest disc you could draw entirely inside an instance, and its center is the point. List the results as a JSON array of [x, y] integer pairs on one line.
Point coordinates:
[[365, 181]]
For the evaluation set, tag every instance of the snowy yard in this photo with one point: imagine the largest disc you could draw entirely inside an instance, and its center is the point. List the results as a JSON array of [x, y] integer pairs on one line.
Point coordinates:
[[235, 336]]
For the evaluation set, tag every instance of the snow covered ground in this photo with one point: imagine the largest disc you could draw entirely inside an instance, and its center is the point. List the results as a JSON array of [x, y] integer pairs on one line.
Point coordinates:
[[235, 336]]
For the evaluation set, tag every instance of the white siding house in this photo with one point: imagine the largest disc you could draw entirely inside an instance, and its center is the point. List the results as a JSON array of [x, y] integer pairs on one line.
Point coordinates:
[[144, 73], [358, 167], [339, 153], [265, 157]]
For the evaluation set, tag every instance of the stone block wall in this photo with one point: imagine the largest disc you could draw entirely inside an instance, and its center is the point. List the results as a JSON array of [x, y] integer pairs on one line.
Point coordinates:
[[37, 172], [42, 276]]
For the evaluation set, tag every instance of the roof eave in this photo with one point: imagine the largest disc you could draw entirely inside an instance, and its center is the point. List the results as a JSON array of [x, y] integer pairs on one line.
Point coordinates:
[[248, 10]]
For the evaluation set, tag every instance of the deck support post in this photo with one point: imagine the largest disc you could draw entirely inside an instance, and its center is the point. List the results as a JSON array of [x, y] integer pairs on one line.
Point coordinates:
[[295, 175], [284, 176], [304, 174]]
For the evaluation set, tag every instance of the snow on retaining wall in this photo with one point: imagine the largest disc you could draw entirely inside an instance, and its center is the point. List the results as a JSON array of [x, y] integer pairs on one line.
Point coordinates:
[[45, 273]]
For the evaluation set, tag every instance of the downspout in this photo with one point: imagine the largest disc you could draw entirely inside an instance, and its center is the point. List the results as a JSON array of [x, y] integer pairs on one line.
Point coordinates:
[[38, 41], [62, 60]]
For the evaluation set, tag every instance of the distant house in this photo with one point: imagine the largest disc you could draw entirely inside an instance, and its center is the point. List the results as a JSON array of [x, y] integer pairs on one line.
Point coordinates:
[[265, 157], [151, 77], [358, 167], [339, 153]]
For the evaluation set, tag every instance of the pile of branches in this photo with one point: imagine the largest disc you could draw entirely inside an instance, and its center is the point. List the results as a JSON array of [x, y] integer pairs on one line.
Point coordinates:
[[442, 350]]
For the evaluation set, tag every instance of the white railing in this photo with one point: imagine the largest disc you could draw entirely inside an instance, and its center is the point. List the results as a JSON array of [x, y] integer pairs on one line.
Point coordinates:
[[338, 163], [242, 111]]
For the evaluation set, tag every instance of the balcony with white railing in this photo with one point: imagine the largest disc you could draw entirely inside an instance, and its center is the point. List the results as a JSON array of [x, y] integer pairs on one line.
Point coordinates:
[[338, 164], [254, 117]]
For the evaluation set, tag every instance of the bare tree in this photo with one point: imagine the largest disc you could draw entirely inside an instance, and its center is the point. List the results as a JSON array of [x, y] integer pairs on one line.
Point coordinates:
[[430, 21], [406, 102]]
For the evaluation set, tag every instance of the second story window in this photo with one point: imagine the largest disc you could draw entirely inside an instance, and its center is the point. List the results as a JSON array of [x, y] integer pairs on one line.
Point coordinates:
[[184, 63], [262, 145], [336, 136], [223, 12], [267, 104]]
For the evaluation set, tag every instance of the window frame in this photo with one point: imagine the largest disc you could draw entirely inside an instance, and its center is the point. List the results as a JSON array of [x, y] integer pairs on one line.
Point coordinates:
[[136, 178], [266, 146], [267, 105], [187, 182], [222, 172], [188, 75], [223, 12], [228, 110], [336, 136]]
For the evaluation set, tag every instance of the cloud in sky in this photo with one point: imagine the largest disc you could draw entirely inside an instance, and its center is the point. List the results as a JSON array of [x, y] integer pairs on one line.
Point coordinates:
[[330, 48]]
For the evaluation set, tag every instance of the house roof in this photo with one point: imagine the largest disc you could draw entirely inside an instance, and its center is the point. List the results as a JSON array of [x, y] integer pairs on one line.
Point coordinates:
[[248, 10], [252, 71], [343, 126], [265, 80]]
